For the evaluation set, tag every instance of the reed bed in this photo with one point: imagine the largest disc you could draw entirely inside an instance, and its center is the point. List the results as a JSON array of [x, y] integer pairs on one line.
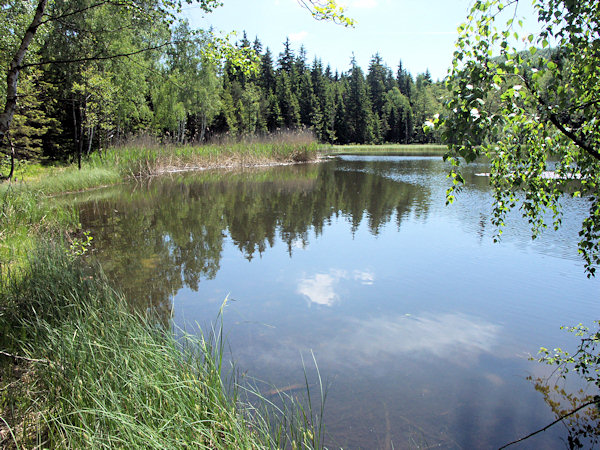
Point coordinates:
[[140, 158], [94, 374]]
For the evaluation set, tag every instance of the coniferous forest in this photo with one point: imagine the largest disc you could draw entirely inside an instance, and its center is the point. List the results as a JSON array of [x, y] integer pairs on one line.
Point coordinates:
[[381, 105]]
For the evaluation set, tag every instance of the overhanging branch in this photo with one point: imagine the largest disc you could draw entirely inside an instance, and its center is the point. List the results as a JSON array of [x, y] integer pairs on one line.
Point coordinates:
[[591, 402], [97, 57], [577, 140], [72, 13]]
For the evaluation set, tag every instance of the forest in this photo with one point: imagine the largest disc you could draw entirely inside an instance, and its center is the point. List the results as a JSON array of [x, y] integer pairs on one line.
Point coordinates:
[[94, 79]]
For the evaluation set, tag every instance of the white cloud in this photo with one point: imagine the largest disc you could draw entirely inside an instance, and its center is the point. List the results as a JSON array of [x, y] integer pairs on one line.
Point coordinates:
[[320, 288], [298, 37], [364, 277]]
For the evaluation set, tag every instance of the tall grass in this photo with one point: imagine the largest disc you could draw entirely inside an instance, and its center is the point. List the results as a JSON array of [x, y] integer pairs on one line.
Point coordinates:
[[27, 209], [143, 157], [78, 369], [101, 376], [25, 214]]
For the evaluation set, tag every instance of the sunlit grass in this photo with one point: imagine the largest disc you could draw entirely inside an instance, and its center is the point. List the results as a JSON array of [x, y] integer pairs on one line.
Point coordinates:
[[399, 149], [94, 374], [145, 157], [27, 209], [25, 215]]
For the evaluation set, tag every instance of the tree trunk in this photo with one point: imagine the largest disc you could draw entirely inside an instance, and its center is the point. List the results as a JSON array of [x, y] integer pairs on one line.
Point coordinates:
[[77, 132], [75, 129], [90, 139], [79, 151], [12, 160], [12, 76], [202, 127]]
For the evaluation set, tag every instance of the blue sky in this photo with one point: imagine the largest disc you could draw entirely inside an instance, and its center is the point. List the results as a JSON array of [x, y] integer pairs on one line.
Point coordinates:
[[421, 33]]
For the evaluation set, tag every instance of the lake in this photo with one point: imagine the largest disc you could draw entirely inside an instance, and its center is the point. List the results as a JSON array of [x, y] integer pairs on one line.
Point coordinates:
[[421, 325]]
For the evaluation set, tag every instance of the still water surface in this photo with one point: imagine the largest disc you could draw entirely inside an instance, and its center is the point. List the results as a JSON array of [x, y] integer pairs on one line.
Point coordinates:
[[420, 323]]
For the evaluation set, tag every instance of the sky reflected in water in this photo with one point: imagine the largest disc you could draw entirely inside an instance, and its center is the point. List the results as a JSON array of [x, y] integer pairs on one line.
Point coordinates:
[[420, 323]]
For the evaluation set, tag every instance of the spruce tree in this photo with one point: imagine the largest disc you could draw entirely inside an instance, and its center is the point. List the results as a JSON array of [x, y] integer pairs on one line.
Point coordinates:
[[359, 115]]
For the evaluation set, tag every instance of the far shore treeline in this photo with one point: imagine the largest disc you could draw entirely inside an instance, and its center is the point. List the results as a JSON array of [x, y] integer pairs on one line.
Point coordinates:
[[192, 91]]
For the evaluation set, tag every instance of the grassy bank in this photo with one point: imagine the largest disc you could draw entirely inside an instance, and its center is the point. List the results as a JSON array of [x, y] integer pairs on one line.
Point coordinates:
[[78, 368], [394, 149], [89, 373]]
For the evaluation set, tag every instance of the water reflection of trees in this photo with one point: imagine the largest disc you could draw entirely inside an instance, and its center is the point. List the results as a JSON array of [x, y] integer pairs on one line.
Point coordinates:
[[583, 427], [153, 239]]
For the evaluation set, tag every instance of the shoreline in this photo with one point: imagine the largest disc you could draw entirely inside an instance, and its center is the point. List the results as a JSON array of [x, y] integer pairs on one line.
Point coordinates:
[[56, 305]]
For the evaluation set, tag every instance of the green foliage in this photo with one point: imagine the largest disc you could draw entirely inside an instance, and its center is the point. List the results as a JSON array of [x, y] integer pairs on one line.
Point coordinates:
[[327, 10], [80, 246], [531, 112], [360, 121], [397, 116], [585, 361], [31, 121], [100, 72]]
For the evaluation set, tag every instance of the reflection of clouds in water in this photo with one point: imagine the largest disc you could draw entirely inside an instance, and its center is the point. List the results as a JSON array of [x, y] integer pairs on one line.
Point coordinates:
[[299, 244], [364, 277], [320, 289], [448, 336], [377, 341]]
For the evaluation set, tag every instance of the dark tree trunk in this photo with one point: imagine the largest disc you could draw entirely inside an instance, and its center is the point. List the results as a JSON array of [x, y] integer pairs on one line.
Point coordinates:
[[77, 132]]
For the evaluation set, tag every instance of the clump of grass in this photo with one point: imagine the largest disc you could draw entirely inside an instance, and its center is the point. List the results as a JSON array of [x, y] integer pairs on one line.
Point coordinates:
[[25, 214], [142, 158], [96, 375], [70, 179], [26, 209]]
